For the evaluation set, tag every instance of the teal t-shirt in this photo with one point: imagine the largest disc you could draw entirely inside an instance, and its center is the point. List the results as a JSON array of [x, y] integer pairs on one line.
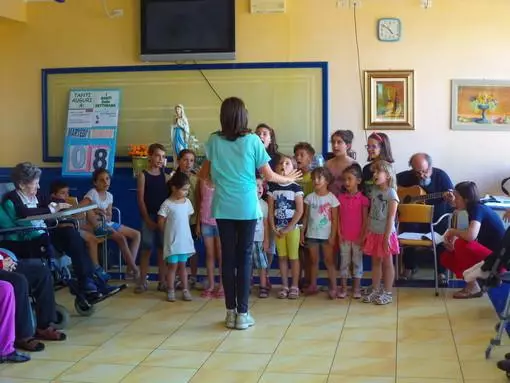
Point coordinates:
[[233, 165]]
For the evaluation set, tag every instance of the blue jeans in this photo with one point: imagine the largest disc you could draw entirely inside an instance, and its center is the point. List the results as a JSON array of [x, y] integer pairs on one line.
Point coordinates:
[[236, 238]]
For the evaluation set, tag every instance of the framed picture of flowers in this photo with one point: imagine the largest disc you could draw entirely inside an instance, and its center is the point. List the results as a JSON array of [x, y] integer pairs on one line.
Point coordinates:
[[389, 99], [480, 105]]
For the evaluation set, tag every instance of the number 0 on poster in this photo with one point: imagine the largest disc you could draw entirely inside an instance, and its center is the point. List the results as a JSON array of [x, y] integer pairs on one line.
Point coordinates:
[[91, 133]]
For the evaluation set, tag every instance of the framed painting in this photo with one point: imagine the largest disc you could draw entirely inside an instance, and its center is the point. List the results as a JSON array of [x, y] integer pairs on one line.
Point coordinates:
[[481, 105], [389, 100]]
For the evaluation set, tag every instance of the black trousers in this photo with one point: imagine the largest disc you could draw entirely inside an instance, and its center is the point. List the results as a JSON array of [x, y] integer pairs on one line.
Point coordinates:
[[31, 277], [236, 238]]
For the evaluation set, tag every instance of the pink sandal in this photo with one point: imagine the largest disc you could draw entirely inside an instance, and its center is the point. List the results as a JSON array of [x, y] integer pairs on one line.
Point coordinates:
[[342, 293], [208, 293], [219, 293]]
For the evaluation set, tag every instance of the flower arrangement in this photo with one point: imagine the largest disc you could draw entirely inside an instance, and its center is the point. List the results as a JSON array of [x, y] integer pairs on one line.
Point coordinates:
[[138, 150], [484, 101], [139, 156]]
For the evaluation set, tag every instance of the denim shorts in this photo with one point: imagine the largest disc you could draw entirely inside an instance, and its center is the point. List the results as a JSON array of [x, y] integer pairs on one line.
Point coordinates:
[[177, 258], [209, 231], [151, 238], [311, 242]]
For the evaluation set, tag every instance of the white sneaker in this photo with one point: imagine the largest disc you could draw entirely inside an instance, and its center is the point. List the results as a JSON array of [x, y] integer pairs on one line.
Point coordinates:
[[475, 272], [243, 321], [230, 319]]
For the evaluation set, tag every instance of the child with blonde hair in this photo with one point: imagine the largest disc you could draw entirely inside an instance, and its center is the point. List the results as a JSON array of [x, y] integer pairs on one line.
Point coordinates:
[[381, 241], [285, 210]]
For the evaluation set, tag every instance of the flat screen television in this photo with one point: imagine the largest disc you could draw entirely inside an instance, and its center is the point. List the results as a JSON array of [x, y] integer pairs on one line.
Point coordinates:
[[175, 30]]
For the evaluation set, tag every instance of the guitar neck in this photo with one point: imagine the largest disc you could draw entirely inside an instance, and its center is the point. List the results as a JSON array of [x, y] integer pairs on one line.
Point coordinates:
[[425, 197]]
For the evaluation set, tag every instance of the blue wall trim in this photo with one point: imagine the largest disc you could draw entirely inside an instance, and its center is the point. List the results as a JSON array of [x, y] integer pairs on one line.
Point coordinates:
[[151, 68]]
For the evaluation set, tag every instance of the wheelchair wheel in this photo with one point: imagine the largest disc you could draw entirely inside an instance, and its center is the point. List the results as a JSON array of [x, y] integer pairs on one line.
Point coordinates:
[[83, 308], [62, 318]]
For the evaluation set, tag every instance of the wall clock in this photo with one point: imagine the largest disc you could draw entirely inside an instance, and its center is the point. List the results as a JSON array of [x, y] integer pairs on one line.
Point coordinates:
[[389, 29]]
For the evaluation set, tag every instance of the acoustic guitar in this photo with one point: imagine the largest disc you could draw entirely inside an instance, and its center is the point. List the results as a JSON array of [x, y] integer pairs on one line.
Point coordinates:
[[416, 194]]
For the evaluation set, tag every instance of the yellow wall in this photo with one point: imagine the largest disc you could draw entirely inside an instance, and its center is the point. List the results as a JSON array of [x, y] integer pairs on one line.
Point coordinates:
[[13, 9], [453, 39]]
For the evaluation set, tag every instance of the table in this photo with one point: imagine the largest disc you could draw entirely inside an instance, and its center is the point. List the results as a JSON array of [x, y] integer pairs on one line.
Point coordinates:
[[498, 202], [59, 214]]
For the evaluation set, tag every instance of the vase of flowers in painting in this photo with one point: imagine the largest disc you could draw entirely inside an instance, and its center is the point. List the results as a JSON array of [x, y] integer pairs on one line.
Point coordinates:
[[483, 103]]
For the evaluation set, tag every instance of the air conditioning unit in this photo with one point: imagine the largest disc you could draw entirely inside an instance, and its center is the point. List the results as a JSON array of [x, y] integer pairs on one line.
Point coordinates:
[[267, 6]]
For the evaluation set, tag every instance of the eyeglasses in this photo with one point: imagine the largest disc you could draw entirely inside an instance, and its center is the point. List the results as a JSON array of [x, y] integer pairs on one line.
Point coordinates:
[[422, 172], [371, 146]]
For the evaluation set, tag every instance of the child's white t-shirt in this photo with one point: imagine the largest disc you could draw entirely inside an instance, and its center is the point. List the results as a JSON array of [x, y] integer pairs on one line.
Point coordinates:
[[319, 214], [259, 229], [101, 203], [177, 237]]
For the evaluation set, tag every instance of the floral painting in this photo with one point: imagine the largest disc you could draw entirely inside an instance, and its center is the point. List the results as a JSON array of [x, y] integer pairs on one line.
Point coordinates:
[[389, 100], [480, 105]]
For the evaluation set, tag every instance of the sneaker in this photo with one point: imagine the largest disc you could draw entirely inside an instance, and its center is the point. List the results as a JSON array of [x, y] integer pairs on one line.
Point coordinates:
[[230, 319], [102, 274], [186, 296], [384, 298], [89, 286], [170, 296], [372, 297], [244, 321]]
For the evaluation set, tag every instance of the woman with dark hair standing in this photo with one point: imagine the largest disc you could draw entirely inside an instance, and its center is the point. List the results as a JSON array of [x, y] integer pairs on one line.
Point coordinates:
[[232, 154]]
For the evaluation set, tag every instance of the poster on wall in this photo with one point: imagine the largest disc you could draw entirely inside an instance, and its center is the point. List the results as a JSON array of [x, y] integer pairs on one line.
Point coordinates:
[[91, 132]]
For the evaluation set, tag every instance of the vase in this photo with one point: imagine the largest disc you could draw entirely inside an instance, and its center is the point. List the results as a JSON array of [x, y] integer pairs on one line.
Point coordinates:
[[483, 119], [139, 165]]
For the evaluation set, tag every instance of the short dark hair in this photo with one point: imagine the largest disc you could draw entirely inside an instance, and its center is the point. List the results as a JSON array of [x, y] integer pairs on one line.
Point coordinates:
[[154, 147], [355, 170], [273, 146], [98, 172], [304, 146], [183, 152], [58, 185], [233, 119], [322, 171], [178, 181], [384, 142], [469, 192]]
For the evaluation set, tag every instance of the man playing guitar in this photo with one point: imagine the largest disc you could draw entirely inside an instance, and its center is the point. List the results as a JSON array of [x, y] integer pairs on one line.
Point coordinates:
[[434, 182]]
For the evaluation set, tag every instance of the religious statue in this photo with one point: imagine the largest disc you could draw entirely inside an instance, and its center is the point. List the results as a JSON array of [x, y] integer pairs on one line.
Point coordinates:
[[180, 133]]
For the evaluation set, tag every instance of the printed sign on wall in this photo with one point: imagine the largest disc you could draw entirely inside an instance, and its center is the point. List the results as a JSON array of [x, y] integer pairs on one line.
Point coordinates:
[[91, 134]]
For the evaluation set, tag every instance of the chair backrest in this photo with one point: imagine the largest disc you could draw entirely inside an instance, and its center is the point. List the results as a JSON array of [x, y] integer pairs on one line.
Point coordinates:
[[415, 213], [73, 201], [5, 188]]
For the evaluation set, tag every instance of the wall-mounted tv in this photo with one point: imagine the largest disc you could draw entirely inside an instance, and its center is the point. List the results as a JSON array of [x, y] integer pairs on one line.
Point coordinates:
[[178, 30]]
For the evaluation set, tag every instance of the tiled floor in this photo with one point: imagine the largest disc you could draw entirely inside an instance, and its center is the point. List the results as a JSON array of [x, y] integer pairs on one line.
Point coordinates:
[[417, 339]]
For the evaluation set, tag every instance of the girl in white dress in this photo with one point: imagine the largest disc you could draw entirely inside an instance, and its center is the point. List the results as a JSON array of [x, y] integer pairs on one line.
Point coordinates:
[[173, 218]]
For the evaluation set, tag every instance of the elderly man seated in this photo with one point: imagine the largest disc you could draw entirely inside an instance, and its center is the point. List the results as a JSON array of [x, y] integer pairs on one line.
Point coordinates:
[[433, 181]]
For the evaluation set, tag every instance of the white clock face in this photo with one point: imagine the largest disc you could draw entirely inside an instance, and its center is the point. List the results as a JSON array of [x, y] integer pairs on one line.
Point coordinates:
[[389, 29]]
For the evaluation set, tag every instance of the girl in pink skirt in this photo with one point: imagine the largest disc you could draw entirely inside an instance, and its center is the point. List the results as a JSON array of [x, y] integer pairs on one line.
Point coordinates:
[[381, 240]]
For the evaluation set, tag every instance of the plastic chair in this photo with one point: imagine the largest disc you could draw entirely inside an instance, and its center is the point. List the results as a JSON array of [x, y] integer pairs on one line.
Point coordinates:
[[421, 214], [103, 239]]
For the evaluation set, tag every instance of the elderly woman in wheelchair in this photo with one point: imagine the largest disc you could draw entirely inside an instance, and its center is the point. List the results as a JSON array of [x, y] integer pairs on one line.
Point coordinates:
[[36, 240]]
